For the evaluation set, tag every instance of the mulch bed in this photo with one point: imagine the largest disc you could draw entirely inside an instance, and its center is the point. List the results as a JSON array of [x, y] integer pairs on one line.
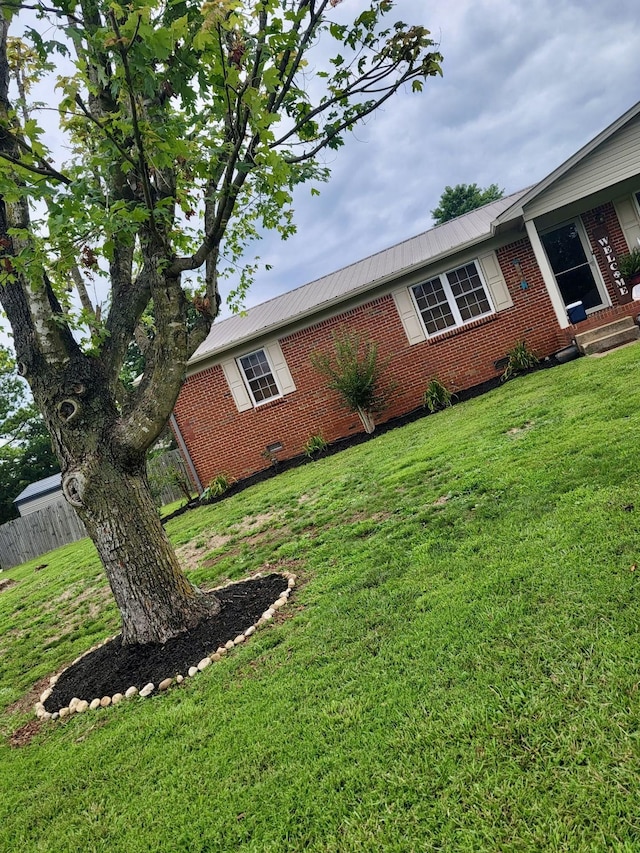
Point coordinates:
[[25, 734], [113, 668]]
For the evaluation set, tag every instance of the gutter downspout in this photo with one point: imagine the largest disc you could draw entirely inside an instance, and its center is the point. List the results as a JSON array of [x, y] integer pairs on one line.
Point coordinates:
[[185, 453]]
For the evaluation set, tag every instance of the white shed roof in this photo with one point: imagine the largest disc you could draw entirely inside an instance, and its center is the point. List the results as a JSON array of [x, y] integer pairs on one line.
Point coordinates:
[[39, 488], [359, 277]]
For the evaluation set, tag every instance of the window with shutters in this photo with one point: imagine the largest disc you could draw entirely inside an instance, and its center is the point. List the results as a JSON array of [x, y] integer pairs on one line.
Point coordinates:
[[259, 377], [452, 299]]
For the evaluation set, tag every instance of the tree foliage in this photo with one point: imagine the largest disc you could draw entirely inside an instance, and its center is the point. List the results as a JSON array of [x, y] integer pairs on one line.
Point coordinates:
[[25, 447], [187, 125], [462, 198], [186, 128]]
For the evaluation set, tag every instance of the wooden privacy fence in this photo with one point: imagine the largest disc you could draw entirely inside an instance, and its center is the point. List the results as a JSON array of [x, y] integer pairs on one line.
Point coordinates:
[[57, 524], [42, 530], [166, 472]]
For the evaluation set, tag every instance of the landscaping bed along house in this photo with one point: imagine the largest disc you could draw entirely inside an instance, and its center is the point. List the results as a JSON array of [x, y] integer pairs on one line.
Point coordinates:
[[111, 672]]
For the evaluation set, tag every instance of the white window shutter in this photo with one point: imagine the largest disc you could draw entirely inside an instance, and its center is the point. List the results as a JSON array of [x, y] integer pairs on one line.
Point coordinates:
[[280, 368], [628, 219], [413, 328], [494, 279], [236, 385]]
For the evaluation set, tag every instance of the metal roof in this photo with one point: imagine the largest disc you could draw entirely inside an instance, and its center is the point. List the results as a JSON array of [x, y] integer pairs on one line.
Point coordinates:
[[438, 242], [39, 488]]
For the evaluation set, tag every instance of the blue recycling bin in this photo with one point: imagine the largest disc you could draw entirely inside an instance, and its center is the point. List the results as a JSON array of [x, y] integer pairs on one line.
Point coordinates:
[[576, 312]]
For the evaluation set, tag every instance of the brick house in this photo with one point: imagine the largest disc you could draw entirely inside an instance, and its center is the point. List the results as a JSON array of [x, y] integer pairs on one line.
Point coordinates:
[[446, 304]]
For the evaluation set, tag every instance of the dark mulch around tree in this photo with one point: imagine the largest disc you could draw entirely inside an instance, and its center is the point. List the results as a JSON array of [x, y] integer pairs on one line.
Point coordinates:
[[113, 668]]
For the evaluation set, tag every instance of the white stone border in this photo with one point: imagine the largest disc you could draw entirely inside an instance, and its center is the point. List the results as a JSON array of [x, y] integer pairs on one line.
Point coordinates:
[[79, 706]]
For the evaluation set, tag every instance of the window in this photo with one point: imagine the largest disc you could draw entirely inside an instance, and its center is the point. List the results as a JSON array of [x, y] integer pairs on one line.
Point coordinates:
[[452, 299], [259, 376]]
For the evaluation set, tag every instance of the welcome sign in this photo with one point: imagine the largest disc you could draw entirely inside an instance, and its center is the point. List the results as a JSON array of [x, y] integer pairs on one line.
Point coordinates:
[[610, 258]]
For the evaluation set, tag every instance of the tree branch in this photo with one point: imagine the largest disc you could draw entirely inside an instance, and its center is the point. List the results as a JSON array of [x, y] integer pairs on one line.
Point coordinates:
[[81, 288], [142, 162], [166, 358], [125, 154], [38, 7], [47, 172], [31, 308], [275, 103]]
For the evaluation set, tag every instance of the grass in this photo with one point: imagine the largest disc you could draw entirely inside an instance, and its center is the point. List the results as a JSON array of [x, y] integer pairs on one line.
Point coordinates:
[[459, 669]]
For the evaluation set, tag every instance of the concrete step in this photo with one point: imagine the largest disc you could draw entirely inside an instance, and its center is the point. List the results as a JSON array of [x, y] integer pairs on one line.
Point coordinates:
[[610, 340], [610, 328]]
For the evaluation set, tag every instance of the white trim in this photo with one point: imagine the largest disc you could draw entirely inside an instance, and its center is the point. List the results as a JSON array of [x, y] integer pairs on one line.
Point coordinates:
[[547, 275], [590, 258], [517, 209], [451, 300], [258, 403], [628, 212], [185, 453]]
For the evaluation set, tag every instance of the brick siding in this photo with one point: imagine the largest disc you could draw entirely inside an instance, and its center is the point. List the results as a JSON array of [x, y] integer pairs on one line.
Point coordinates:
[[220, 439]]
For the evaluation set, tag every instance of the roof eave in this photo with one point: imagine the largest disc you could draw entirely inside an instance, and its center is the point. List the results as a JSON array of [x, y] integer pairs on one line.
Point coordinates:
[[17, 501], [214, 354], [518, 209]]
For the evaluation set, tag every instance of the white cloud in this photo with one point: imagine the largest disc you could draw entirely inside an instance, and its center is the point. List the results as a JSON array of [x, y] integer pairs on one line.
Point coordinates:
[[524, 87]]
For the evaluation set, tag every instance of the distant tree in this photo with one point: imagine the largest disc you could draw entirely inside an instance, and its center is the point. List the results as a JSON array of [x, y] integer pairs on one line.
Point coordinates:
[[26, 454], [462, 198]]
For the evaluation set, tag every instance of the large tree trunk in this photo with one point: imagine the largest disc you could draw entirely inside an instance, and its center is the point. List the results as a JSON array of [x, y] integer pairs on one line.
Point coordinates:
[[155, 599], [100, 444]]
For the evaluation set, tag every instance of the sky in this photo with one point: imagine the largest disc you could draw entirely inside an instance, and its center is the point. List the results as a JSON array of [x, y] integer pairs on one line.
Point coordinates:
[[524, 86]]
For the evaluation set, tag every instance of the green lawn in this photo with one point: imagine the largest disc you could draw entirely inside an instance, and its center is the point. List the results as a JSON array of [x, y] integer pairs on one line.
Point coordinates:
[[458, 670]]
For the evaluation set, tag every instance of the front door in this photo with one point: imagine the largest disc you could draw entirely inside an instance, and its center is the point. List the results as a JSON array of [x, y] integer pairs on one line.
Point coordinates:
[[573, 269]]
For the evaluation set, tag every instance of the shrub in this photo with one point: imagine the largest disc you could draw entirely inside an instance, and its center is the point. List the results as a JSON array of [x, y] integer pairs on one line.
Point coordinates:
[[519, 360], [355, 372], [436, 396], [314, 446], [165, 479], [629, 265], [218, 486]]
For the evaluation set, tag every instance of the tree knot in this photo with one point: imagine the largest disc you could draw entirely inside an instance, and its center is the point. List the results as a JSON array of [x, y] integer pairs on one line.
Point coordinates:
[[73, 487]]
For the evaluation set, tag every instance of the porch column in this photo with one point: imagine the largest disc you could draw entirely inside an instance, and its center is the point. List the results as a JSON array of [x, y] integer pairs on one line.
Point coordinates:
[[547, 274]]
